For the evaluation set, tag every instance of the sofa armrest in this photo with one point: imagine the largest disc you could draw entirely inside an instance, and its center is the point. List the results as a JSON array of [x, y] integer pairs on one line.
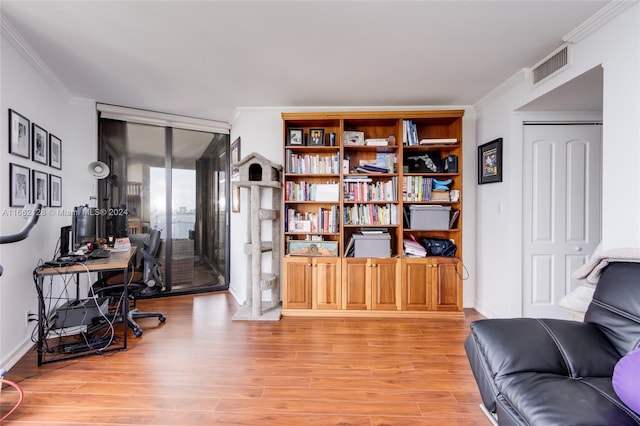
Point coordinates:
[[568, 348]]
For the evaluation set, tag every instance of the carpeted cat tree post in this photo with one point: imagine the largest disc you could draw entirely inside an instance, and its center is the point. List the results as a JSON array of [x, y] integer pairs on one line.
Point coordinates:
[[258, 173]]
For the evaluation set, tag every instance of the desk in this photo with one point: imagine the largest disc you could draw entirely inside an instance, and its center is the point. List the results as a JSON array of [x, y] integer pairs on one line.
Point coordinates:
[[118, 261]]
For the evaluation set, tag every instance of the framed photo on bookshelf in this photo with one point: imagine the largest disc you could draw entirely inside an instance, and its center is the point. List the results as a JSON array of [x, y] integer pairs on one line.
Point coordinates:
[[316, 137], [39, 144], [19, 134], [19, 185], [295, 137], [490, 162], [40, 187]]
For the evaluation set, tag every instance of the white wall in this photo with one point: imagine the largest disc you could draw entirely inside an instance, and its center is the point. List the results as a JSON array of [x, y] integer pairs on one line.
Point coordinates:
[[74, 122], [615, 46]]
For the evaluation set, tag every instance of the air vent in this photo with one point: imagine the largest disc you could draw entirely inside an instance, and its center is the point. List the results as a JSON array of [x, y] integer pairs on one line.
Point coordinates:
[[554, 63]]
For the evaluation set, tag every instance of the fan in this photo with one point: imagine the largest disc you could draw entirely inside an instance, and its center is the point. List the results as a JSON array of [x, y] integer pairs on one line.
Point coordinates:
[[98, 169]]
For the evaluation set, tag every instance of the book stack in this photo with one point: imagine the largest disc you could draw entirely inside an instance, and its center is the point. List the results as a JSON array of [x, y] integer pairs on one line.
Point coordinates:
[[376, 142], [412, 248], [439, 195]]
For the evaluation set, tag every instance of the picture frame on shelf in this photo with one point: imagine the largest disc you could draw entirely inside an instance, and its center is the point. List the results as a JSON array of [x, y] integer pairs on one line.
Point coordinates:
[[19, 185], [39, 144], [55, 152], [235, 157], [40, 191], [490, 162], [316, 137], [19, 129], [55, 191], [295, 137], [353, 138]]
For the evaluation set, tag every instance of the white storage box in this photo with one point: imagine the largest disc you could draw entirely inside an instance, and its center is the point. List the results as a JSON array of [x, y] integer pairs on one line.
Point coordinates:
[[373, 245], [429, 217]]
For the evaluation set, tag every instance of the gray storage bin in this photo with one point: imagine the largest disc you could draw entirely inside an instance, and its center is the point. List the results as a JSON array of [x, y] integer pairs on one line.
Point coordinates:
[[372, 245], [429, 217]]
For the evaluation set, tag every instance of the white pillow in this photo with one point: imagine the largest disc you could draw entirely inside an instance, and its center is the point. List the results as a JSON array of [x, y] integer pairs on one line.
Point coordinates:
[[578, 300]]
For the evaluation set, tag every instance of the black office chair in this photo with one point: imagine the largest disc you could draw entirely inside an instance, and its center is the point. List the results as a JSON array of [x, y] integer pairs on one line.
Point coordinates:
[[143, 281]]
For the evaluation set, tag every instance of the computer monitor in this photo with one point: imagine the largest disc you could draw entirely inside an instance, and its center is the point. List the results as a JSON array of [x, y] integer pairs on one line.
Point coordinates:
[[83, 226], [117, 223]]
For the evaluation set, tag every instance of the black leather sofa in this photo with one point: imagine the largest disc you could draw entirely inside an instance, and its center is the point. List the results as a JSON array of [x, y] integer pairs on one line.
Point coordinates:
[[558, 372]]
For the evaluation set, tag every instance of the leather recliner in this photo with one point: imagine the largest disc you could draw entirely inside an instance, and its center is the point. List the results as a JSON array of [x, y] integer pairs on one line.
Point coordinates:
[[559, 372]]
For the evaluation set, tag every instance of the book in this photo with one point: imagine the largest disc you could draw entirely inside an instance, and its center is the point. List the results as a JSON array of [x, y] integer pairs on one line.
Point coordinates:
[[432, 141], [454, 218], [376, 142], [414, 248]]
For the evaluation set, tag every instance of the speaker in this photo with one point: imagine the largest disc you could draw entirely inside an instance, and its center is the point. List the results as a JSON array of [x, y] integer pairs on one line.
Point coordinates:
[[451, 164]]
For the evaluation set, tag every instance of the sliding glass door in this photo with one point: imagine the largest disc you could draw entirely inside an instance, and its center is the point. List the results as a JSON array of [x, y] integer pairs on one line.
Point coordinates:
[[172, 180]]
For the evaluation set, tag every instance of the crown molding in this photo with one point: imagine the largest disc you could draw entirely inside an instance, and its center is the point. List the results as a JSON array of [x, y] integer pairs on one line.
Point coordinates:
[[469, 109], [597, 20], [24, 48], [513, 81]]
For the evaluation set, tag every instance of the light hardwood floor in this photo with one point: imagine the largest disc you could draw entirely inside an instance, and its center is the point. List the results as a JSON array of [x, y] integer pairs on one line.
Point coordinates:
[[203, 368]]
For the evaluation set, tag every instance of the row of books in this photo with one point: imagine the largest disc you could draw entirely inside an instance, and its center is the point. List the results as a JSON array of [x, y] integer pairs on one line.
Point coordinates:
[[410, 136], [370, 214], [355, 190], [324, 220], [308, 191], [312, 163]]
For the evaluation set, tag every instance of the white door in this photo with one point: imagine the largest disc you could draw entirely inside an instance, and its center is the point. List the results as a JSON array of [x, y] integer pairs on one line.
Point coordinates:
[[562, 210]]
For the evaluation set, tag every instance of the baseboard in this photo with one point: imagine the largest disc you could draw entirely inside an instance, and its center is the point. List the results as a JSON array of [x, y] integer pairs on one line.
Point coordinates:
[[17, 354]]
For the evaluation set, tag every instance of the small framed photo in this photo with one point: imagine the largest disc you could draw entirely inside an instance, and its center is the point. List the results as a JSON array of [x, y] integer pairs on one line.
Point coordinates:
[[39, 144], [19, 185], [55, 191], [490, 162], [55, 152], [316, 137], [295, 137], [40, 187], [235, 157], [19, 134]]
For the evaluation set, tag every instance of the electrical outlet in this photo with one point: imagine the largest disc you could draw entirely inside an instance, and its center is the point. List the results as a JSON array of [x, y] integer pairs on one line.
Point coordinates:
[[27, 317]]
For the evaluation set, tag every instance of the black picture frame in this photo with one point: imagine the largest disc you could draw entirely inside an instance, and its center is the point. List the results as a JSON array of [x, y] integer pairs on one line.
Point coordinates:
[[55, 191], [39, 144], [235, 157], [295, 137], [490, 162], [55, 152], [19, 185], [40, 187], [19, 134], [316, 137]]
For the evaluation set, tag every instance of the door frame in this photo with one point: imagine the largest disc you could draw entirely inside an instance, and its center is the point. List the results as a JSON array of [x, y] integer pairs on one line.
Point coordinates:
[[518, 119]]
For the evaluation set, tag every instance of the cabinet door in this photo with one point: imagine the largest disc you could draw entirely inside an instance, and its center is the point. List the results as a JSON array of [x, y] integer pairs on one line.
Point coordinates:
[[385, 284], [297, 281], [356, 291], [416, 284], [327, 289], [447, 284]]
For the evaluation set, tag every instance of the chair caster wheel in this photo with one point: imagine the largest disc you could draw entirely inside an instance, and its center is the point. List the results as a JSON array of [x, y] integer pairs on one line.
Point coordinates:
[[137, 332], [162, 318]]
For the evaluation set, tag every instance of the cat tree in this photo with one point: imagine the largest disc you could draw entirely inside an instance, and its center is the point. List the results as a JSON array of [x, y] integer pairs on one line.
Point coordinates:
[[258, 173]]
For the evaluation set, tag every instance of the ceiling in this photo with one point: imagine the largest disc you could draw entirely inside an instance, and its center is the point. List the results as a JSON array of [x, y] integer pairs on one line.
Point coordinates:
[[204, 59]]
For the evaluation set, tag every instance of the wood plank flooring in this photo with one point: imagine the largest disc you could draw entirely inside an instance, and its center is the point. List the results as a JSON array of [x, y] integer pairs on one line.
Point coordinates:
[[201, 368]]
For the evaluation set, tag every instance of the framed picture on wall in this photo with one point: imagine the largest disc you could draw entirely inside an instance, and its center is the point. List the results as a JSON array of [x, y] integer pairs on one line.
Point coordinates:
[[18, 134], [490, 162], [40, 185], [39, 144], [55, 191], [55, 152], [19, 185]]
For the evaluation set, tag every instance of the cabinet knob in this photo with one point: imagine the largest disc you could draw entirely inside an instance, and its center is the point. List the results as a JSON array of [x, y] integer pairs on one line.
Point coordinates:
[[576, 248]]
